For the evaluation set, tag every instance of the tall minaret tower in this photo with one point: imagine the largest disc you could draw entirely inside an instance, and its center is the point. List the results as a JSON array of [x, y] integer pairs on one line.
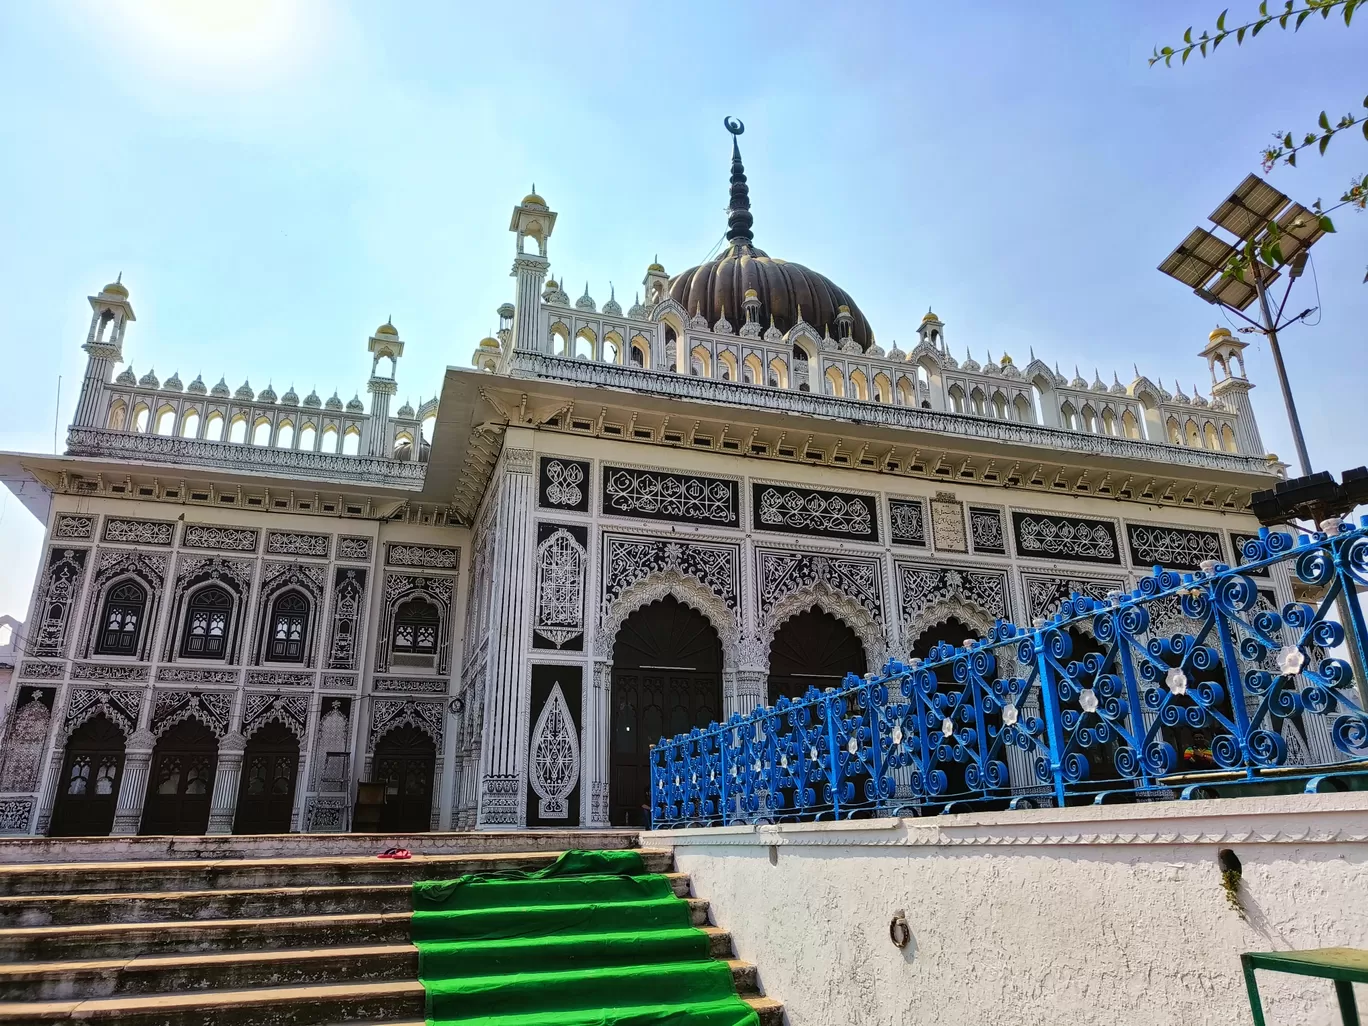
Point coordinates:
[[385, 344], [531, 220], [1225, 357], [110, 314]]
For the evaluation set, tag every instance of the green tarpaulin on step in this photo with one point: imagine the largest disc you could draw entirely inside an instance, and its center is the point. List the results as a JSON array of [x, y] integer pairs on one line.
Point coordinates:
[[590, 940]]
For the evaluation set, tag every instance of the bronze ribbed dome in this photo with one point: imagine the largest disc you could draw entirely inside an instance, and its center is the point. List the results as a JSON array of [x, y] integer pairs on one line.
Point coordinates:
[[719, 287]]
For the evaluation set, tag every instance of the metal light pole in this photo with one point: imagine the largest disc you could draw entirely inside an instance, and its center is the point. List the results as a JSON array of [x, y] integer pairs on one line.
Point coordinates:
[[1270, 329], [1257, 215]]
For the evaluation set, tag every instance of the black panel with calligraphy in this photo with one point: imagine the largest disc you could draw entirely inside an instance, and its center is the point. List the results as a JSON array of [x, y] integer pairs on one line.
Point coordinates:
[[1045, 536], [563, 484], [907, 522], [796, 510], [661, 495]]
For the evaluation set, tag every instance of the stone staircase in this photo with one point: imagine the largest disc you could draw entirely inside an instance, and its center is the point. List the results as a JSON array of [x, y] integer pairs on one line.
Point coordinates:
[[182, 940]]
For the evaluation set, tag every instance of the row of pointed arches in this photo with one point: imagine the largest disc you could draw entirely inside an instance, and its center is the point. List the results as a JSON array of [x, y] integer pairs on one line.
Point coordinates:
[[237, 429]]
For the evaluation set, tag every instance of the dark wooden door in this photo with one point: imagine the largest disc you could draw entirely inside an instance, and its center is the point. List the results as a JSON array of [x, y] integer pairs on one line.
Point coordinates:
[[667, 679], [267, 789], [89, 787], [812, 649], [181, 783], [404, 762]]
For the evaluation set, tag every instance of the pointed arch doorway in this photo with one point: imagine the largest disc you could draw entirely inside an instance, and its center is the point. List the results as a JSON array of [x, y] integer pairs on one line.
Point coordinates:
[[405, 761], [266, 790], [813, 649], [181, 783], [89, 785], [667, 679]]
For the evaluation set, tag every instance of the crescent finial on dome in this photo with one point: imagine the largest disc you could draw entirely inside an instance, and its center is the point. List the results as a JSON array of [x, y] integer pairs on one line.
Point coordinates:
[[739, 220]]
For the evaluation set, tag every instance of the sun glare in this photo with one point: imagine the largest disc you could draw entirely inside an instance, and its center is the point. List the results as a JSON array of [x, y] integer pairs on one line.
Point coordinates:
[[208, 39]]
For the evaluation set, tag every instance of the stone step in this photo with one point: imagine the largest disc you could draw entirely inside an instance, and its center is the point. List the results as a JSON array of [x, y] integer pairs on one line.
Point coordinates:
[[39, 850], [253, 903], [238, 970], [241, 874], [769, 1011], [131, 940], [315, 1005]]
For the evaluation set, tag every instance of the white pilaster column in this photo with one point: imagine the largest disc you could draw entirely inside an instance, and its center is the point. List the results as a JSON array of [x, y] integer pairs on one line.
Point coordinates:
[[377, 444], [595, 745], [746, 692], [530, 272], [503, 758], [226, 777], [133, 783], [49, 792], [1234, 392]]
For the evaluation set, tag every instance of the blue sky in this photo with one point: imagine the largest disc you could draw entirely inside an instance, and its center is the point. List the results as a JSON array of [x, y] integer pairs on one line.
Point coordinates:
[[275, 179]]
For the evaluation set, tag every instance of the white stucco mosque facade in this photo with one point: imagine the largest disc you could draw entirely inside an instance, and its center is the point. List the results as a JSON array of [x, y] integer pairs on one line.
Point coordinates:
[[616, 524]]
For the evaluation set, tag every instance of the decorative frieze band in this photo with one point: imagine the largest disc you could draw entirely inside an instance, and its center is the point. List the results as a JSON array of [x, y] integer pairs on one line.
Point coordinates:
[[410, 685], [138, 532], [661, 495], [1048, 536], [70, 525], [279, 679], [1176, 548], [193, 675], [436, 557], [292, 543], [809, 511], [209, 536], [34, 669], [108, 672]]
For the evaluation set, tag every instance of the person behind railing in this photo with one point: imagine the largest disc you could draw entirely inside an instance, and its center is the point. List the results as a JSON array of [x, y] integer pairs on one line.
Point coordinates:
[[1197, 755]]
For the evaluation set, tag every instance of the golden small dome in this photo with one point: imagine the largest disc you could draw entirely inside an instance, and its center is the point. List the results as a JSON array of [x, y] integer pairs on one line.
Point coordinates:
[[551, 283], [116, 288], [751, 294], [489, 343], [1006, 359], [387, 329], [843, 309], [533, 200], [655, 269], [1218, 333], [929, 317]]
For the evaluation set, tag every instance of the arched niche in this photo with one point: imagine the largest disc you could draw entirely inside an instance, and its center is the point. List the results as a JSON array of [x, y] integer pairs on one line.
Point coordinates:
[[812, 648], [666, 680], [88, 789]]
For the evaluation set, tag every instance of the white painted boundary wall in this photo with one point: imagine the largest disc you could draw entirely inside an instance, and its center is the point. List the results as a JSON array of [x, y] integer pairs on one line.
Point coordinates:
[[1099, 915]]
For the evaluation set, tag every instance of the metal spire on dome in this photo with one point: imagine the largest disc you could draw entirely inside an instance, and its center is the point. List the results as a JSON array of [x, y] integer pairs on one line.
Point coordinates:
[[739, 218]]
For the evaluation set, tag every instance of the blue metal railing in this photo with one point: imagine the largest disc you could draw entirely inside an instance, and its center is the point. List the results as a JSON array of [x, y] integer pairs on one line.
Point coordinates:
[[1193, 684]]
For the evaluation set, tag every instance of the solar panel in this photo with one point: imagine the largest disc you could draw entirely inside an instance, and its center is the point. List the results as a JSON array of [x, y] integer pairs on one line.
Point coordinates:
[[1197, 258], [1239, 294], [1248, 209]]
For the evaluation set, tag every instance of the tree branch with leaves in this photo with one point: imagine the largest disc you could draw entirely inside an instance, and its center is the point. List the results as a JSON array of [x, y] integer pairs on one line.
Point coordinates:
[[1285, 147]]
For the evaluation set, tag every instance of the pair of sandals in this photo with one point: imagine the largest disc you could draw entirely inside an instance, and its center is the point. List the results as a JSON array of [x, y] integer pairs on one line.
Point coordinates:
[[395, 853]]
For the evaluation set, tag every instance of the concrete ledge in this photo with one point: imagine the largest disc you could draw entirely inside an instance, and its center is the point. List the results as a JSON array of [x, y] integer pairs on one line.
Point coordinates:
[[275, 846], [1280, 819]]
